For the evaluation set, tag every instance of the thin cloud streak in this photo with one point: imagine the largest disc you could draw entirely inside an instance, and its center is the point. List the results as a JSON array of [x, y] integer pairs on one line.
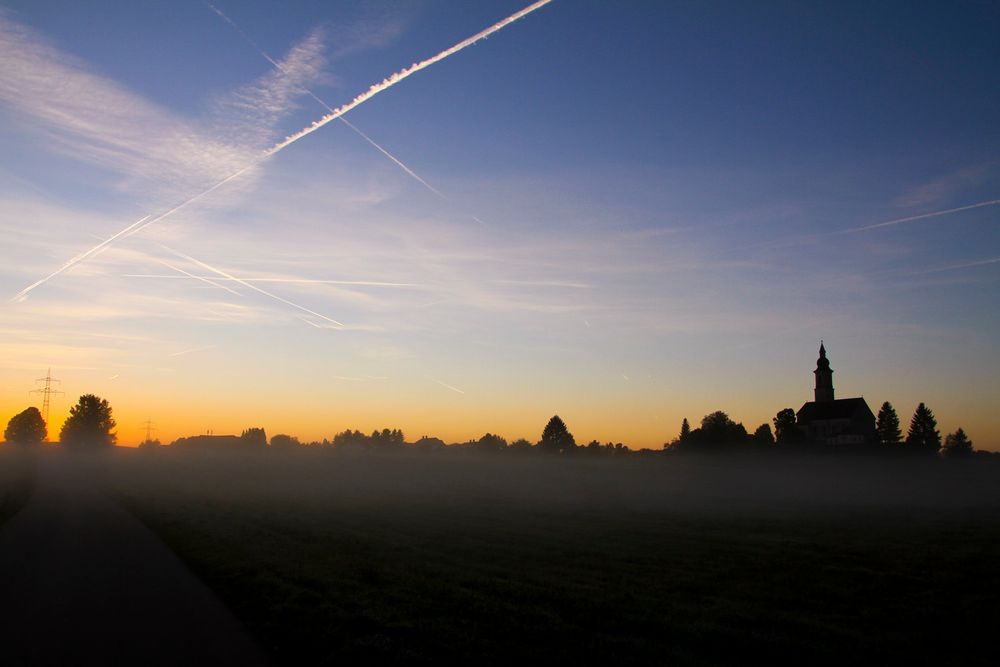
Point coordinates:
[[203, 348], [448, 386], [292, 281], [253, 287], [201, 278], [23, 294], [374, 90], [924, 216], [956, 267]]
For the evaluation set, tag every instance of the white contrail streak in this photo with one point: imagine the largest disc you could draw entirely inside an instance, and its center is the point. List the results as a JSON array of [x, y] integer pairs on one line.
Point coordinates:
[[192, 350], [912, 218], [197, 277], [374, 90], [956, 267], [278, 66], [292, 281], [20, 296], [393, 79], [254, 287], [448, 386]]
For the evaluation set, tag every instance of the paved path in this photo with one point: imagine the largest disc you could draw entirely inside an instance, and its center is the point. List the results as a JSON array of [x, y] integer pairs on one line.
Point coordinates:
[[83, 582]]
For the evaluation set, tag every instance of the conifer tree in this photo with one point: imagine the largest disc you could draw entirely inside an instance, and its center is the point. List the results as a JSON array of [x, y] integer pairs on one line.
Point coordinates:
[[887, 425], [957, 445], [685, 430], [923, 436], [556, 438]]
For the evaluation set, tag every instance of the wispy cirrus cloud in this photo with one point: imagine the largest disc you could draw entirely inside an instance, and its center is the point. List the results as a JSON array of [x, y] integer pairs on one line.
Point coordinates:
[[156, 152]]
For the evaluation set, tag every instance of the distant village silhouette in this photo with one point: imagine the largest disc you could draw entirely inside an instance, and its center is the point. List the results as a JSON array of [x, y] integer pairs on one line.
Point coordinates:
[[825, 425]]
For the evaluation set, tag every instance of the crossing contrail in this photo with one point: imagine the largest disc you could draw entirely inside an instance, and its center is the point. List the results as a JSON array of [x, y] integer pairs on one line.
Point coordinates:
[[372, 91], [393, 79], [252, 287], [203, 279], [293, 281], [20, 296], [278, 66]]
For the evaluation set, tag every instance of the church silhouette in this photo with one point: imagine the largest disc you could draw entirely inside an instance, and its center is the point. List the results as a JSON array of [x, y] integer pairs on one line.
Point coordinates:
[[844, 422]]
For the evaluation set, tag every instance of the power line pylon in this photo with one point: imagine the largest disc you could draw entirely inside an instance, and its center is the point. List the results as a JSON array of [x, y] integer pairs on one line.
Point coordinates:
[[149, 430], [46, 391]]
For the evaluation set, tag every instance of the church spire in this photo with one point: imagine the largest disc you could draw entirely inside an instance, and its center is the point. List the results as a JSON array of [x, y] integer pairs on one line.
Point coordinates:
[[824, 377]]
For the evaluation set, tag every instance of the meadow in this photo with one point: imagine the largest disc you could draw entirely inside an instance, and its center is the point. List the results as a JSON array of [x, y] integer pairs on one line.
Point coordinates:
[[417, 558]]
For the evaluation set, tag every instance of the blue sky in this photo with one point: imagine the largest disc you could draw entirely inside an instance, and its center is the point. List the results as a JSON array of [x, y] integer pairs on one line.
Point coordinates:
[[646, 211]]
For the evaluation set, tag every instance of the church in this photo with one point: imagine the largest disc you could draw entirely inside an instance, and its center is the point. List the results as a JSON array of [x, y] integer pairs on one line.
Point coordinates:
[[830, 421]]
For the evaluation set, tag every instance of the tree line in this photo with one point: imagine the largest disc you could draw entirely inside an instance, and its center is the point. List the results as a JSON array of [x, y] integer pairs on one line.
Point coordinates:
[[91, 425]]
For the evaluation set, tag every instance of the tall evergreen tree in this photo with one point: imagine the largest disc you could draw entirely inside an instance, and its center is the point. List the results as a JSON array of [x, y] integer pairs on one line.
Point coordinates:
[[685, 430], [957, 445], [887, 425], [556, 438], [923, 436]]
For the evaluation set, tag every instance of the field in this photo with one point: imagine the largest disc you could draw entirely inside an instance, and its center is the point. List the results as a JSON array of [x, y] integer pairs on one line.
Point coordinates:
[[420, 558], [17, 476]]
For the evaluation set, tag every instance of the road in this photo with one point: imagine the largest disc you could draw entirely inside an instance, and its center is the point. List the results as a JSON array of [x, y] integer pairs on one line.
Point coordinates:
[[83, 582]]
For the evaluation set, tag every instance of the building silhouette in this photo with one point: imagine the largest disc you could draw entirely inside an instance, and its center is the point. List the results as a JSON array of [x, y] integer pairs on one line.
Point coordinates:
[[843, 422]]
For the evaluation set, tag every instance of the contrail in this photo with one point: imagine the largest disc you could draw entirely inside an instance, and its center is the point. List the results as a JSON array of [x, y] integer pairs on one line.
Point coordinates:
[[192, 350], [374, 90], [278, 66], [201, 278], [20, 296], [899, 221], [393, 79], [448, 386], [293, 281], [253, 287], [955, 267]]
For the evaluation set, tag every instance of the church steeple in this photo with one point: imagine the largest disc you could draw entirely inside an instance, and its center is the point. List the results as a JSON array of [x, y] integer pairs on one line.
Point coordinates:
[[824, 377]]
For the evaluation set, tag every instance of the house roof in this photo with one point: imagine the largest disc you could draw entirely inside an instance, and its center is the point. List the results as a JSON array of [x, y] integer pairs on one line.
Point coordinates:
[[843, 408]]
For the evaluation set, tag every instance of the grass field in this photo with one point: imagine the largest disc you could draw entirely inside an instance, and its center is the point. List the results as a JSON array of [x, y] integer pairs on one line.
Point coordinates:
[[17, 478], [330, 558]]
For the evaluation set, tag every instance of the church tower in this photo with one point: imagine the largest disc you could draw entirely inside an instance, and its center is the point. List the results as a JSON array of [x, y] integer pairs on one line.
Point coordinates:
[[824, 377]]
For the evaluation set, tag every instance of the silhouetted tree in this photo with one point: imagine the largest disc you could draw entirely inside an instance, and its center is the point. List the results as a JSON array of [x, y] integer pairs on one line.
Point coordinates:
[[26, 428], [387, 438], [887, 426], [717, 432], [254, 437], [786, 429], [763, 436], [520, 445], [957, 445], [556, 438], [923, 436], [282, 441], [89, 424], [685, 430], [490, 443]]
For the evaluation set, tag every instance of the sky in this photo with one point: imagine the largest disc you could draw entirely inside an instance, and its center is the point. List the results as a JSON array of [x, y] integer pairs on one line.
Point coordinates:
[[622, 213]]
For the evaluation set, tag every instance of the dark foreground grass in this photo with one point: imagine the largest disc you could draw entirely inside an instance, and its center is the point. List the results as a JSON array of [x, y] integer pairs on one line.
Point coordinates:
[[17, 478], [333, 559]]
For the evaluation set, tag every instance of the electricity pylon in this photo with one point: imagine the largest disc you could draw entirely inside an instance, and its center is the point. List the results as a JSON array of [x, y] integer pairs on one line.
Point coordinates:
[[46, 391]]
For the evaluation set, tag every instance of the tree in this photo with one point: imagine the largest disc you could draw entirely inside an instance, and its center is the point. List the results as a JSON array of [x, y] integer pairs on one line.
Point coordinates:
[[89, 424], [556, 438], [685, 430], [717, 431], [26, 428], [254, 437], [957, 445], [923, 436], [786, 428], [763, 436], [490, 443], [887, 426], [284, 441]]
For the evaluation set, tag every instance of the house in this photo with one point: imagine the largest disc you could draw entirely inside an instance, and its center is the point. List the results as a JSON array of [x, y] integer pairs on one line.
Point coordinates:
[[831, 421]]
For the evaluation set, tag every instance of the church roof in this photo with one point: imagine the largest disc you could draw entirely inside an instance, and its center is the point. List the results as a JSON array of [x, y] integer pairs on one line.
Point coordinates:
[[843, 408]]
